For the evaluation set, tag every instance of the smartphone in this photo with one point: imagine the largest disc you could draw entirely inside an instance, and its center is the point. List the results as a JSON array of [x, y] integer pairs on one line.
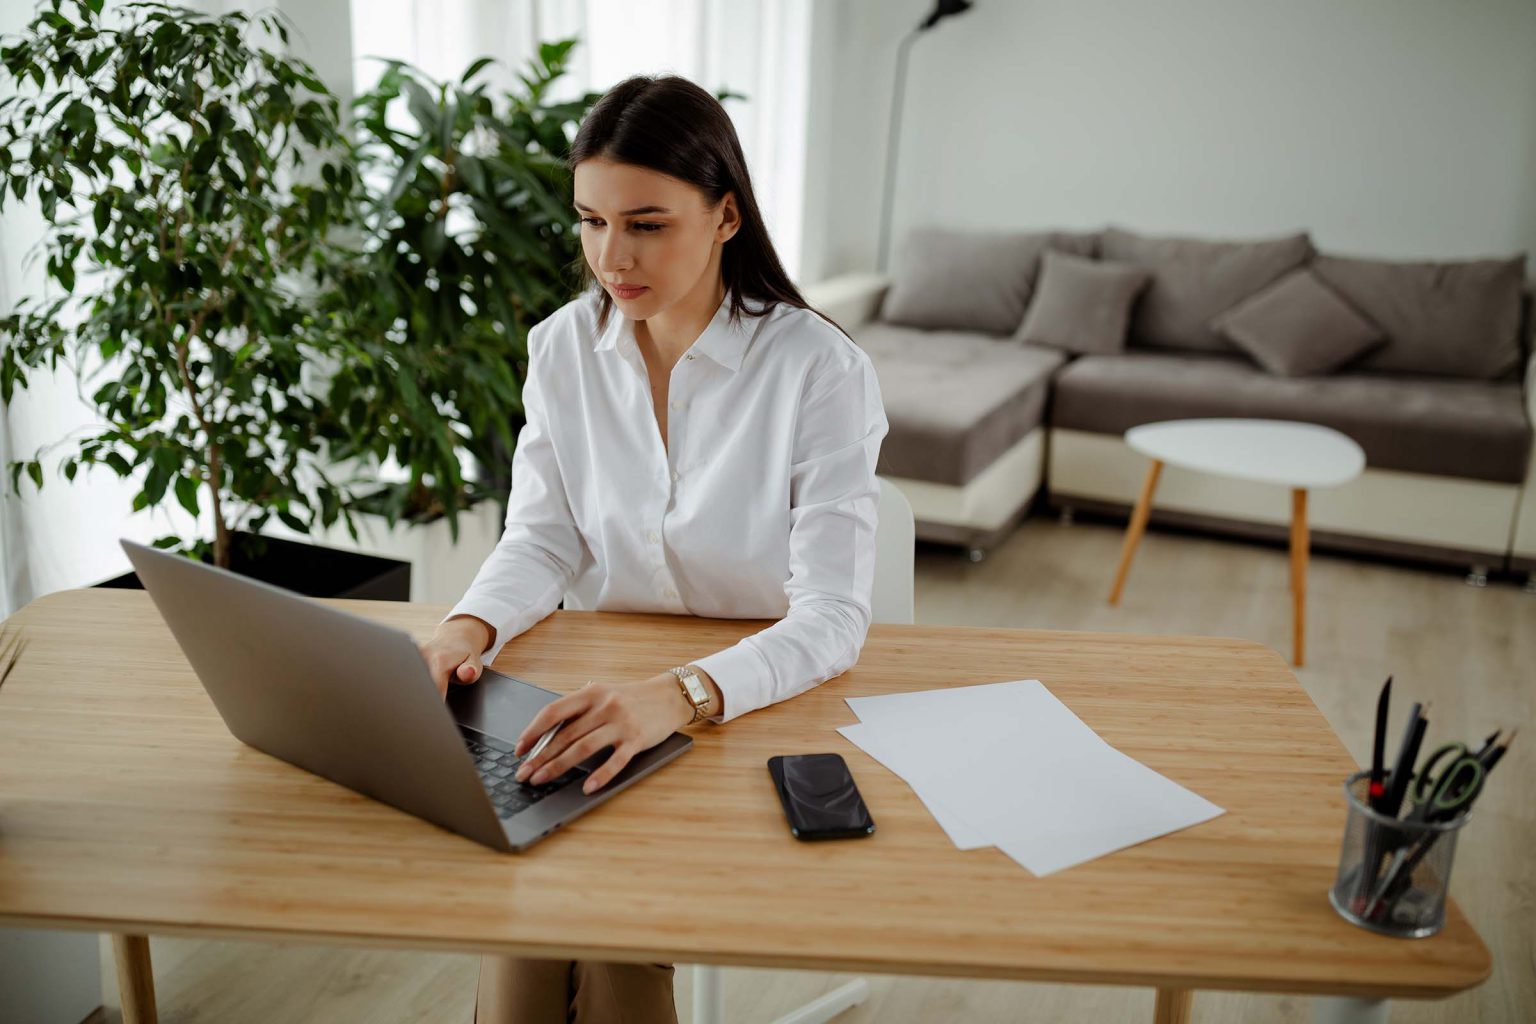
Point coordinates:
[[819, 797]]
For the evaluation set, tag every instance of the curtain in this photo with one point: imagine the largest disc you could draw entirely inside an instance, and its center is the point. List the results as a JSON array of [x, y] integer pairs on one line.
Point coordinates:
[[759, 48]]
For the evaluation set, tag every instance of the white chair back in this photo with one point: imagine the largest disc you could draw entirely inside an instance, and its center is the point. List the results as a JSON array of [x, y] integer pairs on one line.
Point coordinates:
[[895, 545]]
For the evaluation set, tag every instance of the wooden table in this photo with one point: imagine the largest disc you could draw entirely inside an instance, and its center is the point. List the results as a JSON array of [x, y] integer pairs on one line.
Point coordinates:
[[126, 807]]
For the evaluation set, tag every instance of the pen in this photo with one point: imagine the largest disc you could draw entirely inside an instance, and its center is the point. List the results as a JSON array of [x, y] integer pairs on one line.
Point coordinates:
[[1378, 749], [1402, 770], [538, 748]]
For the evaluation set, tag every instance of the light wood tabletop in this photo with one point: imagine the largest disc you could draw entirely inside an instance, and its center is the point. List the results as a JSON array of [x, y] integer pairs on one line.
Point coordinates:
[[127, 807]]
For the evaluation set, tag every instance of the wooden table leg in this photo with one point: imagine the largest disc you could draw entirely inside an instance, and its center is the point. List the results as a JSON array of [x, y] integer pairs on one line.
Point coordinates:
[[1299, 545], [1137, 527], [1173, 1005], [135, 983]]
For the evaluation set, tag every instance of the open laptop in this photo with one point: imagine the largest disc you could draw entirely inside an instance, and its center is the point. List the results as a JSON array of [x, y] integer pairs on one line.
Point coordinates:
[[352, 700]]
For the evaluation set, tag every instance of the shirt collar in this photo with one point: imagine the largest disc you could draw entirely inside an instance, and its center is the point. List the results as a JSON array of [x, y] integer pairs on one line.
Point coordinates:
[[722, 341]]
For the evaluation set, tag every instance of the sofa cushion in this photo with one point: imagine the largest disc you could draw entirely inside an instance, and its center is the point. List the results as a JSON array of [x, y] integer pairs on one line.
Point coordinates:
[[1081, 305], [970, 280], [1195, 280], [1451, 319], [1299, 327], [955, 401], [1455, 428]]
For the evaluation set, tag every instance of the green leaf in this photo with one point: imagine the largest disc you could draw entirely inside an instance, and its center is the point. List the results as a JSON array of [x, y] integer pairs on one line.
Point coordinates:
[[186, 493], [475, 68]]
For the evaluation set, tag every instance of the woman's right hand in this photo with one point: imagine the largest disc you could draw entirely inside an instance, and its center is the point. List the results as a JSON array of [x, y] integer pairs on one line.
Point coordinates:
[[453, 653]]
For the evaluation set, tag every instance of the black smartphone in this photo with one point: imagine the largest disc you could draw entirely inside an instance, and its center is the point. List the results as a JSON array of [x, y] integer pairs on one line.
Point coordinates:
[[819, 797]]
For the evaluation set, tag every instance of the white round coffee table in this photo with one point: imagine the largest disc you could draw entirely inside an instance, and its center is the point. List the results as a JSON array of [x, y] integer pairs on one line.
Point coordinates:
[[1301, 456]]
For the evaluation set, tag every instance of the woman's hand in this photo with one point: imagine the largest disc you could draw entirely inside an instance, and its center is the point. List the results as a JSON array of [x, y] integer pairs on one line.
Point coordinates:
[[454, 651], [630, 718]]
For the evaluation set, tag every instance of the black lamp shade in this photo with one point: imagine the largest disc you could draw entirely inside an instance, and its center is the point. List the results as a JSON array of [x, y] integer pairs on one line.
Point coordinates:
[[942, 10]]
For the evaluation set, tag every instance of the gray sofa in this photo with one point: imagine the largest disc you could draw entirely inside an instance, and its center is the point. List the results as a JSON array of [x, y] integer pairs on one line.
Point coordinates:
[[985, 423]]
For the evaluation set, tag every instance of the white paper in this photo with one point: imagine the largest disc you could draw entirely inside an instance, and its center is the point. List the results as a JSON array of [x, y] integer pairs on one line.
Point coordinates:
[[1010, 763]]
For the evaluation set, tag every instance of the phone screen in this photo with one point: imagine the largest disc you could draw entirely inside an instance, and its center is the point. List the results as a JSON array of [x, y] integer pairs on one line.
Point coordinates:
[[819, 797]]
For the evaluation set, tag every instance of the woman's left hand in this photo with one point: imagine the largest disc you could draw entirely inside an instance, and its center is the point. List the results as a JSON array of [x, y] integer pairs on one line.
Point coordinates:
[[630, 718]]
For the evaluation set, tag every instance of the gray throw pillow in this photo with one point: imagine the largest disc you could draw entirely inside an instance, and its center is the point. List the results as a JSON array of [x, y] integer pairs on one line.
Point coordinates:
[[1196, 280], [1082, 305], [1451, 319], [1298, 327], [969, 280]]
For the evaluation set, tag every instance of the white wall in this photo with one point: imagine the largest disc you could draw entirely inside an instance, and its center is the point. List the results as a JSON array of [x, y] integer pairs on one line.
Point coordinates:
[[1398, 128]]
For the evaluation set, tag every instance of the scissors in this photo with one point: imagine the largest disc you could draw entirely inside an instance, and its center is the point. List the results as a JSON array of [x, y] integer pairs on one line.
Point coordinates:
[[1442, 796]]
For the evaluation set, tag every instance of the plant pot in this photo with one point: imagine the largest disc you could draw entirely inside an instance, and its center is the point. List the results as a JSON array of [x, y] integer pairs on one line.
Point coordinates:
[[307, 569], [442, 568]]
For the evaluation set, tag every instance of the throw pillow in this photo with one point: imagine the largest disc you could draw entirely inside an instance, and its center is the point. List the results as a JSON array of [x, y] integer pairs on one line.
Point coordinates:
[[1082, 305], [1299, 327]]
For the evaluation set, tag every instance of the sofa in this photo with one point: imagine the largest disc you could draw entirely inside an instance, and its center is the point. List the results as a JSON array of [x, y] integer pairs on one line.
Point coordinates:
[[1012, 363]]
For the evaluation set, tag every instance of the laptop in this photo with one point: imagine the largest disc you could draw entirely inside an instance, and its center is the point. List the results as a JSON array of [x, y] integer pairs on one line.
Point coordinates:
[[352, 700]]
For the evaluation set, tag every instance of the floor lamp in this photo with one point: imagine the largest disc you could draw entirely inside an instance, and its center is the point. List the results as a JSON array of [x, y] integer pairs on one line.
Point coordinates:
[[942, 10]]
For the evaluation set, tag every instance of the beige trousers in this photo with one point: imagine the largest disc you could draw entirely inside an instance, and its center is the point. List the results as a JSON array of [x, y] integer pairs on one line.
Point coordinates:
[[515, 990]]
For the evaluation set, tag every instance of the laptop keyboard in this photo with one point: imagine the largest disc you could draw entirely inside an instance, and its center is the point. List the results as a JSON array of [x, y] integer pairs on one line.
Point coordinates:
[[497, 766]]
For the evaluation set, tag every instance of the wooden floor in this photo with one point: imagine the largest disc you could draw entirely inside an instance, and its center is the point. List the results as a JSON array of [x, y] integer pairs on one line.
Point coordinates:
[[1472, 651]]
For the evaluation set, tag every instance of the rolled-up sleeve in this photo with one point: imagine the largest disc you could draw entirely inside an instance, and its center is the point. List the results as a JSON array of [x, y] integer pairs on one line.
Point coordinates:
[[541, 549], [833, 498]]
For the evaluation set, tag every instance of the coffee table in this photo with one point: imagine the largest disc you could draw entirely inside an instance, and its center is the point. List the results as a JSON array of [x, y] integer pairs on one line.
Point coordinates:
[[1300, 456]]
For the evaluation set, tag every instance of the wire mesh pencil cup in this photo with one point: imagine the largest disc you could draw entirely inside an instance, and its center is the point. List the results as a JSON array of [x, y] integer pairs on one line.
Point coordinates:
[[1393, 874]]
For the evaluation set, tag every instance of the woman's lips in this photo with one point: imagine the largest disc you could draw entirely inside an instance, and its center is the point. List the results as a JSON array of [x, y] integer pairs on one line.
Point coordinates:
[[627, 291]]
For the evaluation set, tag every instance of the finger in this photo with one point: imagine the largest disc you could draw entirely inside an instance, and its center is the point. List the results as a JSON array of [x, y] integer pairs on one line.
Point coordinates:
[[581, 748], [610, 768], [469, 670], [569, 732], [570, 706]]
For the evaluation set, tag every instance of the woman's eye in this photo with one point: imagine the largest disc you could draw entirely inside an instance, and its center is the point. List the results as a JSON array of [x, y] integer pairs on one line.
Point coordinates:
[[646, 226]]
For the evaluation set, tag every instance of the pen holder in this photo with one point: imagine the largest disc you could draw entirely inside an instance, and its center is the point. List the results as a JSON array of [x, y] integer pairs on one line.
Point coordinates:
[[1393, 874]]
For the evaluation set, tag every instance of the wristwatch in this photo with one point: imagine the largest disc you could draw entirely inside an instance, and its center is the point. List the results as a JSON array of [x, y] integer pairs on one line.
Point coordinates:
[[694, 691]]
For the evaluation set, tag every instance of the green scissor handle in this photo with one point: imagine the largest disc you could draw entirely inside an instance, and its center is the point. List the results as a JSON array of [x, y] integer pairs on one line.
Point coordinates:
[[1436, 797]]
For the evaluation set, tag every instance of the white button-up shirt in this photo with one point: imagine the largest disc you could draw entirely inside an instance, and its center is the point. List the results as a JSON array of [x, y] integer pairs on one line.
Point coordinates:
[[761, 505]]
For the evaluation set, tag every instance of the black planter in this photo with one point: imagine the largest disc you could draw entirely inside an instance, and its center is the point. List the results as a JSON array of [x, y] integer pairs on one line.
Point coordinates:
[[307, 569]]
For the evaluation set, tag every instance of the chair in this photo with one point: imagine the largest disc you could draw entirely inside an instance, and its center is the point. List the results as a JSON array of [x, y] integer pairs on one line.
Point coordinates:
[[891, 602]]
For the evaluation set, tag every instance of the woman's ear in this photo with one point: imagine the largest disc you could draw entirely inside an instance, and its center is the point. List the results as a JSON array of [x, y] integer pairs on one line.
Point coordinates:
[[730, 219]]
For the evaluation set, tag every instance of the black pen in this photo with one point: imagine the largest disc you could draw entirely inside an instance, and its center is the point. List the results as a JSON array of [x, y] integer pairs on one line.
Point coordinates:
[[1407, 754], [1491, 756], [1378, 748]]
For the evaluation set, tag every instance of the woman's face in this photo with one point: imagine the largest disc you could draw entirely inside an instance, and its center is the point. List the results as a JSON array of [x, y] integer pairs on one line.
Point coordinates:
[[650, 239]]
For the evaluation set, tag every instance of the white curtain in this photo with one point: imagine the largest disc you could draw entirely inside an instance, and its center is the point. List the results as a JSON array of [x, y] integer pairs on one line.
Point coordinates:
[[759, 48]]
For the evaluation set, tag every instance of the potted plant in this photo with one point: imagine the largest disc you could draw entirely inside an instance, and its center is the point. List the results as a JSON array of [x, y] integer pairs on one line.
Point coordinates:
[[190, 183]]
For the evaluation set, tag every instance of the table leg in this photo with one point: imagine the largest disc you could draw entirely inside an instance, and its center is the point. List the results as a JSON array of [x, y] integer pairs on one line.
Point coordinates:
[[1137, 527], [1299, 545], [135, 983], [1173, 1005], [1345, 1010]]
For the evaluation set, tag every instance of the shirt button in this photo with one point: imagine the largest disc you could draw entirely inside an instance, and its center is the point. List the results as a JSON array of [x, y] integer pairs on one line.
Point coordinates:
[[669, 592], [689, 356], [653, 537], [678, 405], [674, 476]]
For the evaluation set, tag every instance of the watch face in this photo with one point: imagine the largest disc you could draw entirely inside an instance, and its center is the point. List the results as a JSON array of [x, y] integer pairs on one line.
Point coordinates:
[[696, 691]]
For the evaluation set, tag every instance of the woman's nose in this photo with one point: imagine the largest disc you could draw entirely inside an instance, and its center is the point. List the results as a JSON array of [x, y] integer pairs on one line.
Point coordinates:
[[614, 256]]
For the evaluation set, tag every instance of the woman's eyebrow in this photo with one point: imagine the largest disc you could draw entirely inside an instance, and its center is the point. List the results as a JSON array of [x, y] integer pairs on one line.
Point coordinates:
[[628, 213]]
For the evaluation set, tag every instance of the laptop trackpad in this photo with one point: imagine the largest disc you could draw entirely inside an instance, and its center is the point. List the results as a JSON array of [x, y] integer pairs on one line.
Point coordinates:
[[497, 704]]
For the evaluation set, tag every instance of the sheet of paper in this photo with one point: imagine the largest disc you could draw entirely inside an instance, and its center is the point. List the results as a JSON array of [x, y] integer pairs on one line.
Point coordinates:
[[960, 833], [1014, 764]]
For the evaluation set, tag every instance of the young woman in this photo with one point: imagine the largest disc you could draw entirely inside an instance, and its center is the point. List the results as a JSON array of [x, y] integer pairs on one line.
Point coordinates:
[[698, 441]]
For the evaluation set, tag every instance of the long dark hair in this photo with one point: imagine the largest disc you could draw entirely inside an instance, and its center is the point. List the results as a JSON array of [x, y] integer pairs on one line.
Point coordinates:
[[668, 124]]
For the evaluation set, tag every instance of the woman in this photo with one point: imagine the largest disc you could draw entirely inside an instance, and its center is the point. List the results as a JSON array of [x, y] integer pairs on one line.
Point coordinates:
[[698, 441]]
